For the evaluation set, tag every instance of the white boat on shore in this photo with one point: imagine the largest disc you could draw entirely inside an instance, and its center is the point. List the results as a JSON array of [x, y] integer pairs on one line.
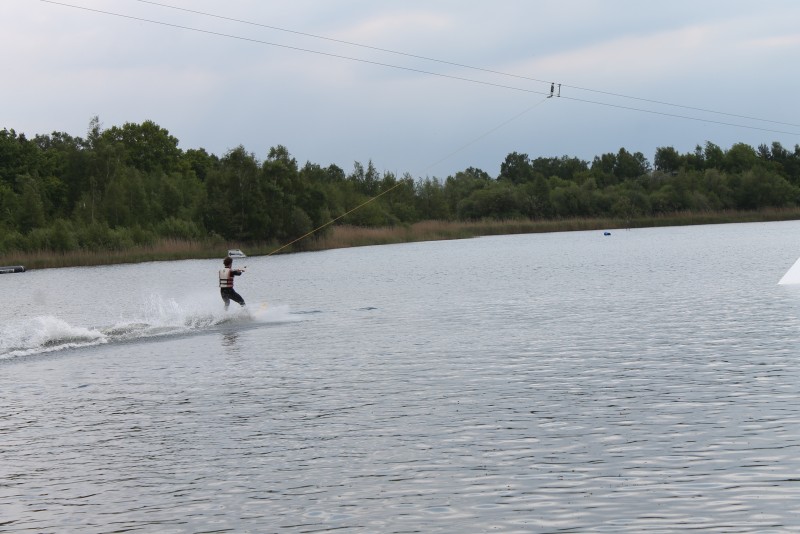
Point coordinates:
[[12, 269], [236, 253]]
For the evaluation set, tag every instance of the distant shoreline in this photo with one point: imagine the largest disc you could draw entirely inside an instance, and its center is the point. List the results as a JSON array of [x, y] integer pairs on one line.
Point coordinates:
[[353, 236]]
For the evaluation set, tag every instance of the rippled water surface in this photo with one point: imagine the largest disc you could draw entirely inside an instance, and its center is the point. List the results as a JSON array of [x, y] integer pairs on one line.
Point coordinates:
[[642, 381]]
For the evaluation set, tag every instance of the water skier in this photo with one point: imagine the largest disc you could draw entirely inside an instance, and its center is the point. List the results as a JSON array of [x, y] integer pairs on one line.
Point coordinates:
[[226, 283]]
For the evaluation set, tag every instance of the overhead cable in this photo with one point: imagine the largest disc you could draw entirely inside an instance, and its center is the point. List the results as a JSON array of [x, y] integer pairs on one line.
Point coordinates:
[[455, 64], [426, 72]]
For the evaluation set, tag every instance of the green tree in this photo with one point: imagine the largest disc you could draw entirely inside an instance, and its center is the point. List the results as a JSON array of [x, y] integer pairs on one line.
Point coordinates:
[[18, 156], [146, 146], [299, 224], [9, 207], [283, 188], [713, 156], [535, 198], [200, 162], [602, 169], [667, 160], [785, 162], [30, 212], [367, 181], [627, 165], [716, 187], [667, 200], [497, 201], [463, 184], [569, 200], [241, 171], [739, 158], [759, 188], [115, 206], [431, 201], [234, 204], [62, 236], [516, 169], [398, 197], [565, 167]]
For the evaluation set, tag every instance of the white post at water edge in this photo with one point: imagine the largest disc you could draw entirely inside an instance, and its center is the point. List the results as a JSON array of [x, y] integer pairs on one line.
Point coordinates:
[[792, 276]]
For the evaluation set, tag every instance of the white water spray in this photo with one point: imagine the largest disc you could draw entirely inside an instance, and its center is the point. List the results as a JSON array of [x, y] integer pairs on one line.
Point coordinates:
[[156, 316]]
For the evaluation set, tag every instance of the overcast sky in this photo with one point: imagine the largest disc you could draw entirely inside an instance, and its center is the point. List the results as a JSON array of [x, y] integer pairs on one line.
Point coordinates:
[[217, 83]]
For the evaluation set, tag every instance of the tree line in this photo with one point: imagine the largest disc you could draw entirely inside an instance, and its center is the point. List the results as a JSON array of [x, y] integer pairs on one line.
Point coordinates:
[[131, 185]]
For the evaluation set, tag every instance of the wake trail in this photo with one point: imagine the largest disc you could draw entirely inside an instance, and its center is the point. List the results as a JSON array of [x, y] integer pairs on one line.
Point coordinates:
[[156, 317]]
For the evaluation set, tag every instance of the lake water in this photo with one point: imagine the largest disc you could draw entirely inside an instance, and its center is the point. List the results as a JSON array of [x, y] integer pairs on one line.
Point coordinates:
[[648, 380]]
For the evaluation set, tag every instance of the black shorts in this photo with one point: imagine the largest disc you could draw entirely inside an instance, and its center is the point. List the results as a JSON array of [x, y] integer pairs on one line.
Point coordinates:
[[228, 295]]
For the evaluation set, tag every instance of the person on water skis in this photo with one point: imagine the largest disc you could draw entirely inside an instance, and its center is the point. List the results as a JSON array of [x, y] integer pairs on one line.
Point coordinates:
[[226, 283]]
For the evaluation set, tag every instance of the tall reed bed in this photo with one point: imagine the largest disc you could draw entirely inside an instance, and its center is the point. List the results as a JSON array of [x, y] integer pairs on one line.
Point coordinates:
[[164, 250], [353, 236]]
